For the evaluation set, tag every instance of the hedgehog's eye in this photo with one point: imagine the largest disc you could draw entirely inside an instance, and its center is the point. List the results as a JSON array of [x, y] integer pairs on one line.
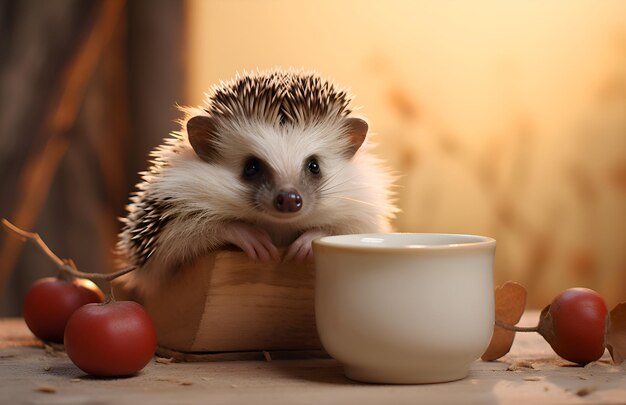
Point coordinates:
[[252, 167], [313, 166]]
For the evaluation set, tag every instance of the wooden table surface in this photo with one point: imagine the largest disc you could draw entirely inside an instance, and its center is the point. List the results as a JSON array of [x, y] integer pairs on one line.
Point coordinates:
[[531, 374]]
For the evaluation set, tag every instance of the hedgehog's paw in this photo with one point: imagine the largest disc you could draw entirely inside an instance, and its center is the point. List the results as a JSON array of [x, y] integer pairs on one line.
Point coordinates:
[[301, 249], [254, 241]]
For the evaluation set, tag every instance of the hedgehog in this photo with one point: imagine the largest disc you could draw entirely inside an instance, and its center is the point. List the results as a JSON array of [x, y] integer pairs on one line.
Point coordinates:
[[270, 162]]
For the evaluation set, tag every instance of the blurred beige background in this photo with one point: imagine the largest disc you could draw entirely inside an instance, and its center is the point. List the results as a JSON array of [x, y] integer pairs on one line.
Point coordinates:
[[504, 118]]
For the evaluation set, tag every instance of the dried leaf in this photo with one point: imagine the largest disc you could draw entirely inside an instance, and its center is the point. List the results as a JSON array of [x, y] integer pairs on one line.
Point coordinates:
[[47, 388], [510, 301], [616, 333], [583, 392]]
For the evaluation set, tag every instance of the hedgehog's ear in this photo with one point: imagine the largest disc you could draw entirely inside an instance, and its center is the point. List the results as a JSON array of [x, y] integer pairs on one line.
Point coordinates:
[[202, 134], [356, 130]]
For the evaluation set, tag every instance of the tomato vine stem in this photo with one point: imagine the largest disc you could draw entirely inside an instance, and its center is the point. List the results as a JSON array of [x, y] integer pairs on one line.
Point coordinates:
[[515, 328]]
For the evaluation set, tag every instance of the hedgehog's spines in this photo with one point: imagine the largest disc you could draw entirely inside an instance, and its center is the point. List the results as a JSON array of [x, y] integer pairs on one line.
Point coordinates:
[[277, 98], [144, 224]]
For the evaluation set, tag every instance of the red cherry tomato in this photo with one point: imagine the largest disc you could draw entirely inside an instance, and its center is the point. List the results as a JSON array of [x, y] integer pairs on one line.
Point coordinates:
[[49, 303], [110, 340], [578, 323]]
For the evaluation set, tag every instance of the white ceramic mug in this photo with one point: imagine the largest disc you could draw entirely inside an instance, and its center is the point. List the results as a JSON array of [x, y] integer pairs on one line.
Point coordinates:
[[404, 308]]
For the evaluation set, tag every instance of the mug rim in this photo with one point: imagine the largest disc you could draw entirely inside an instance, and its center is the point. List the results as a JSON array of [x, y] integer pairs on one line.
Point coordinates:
[[331, 243]]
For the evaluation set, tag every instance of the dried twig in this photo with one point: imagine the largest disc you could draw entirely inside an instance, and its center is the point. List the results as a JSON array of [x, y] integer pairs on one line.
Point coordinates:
[[34, 238], [66, 266]]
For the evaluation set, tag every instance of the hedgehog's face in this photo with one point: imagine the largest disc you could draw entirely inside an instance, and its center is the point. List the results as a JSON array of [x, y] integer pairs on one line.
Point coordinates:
[[280, 196], [283, 170]]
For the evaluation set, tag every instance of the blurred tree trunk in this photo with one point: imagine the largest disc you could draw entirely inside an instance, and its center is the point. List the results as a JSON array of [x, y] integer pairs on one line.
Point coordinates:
[[126, 109]]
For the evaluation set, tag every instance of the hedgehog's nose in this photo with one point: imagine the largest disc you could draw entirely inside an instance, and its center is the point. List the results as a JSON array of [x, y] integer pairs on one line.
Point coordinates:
[[288, 201]]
